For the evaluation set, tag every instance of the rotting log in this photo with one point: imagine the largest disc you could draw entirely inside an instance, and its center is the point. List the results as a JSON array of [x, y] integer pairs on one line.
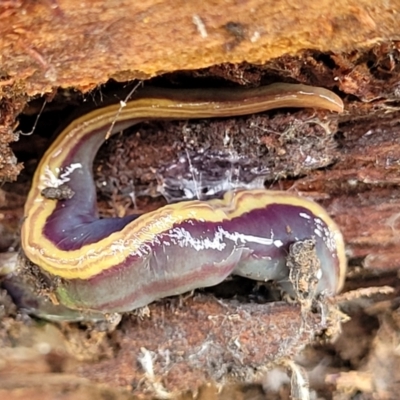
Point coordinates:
[[54, 43], [348, 46]]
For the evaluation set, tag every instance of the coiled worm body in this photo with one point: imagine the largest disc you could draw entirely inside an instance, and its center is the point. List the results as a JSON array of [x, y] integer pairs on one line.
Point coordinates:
[[119, 264]]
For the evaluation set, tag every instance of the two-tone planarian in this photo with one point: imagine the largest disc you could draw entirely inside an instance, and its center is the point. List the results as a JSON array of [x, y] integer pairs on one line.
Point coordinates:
[[119, 264]]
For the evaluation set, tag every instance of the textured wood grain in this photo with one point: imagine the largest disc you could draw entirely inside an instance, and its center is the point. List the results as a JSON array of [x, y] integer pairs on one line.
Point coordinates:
[[74, 43]]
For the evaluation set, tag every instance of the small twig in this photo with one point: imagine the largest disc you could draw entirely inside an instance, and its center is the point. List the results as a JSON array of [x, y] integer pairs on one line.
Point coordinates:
[[200, 26]]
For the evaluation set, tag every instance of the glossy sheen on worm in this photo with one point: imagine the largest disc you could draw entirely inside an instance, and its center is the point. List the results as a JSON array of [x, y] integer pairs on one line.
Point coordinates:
[[119, 264]]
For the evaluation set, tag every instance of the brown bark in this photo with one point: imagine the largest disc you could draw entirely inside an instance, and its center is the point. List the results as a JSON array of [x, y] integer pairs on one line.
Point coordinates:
[[55, 43]]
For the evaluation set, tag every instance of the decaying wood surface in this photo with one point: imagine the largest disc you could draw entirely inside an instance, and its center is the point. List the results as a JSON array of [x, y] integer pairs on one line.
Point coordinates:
[[48, 44], [348, 46]]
